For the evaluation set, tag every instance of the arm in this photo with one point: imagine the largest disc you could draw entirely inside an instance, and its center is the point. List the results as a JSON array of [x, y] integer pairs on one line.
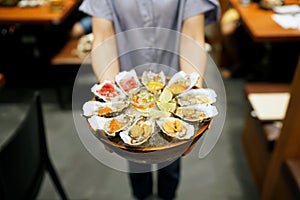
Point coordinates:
[[104, 55], [193, 35], [191, 58]]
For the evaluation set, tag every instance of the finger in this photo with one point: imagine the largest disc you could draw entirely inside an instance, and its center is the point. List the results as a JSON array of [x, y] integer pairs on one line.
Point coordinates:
[[210, 123]]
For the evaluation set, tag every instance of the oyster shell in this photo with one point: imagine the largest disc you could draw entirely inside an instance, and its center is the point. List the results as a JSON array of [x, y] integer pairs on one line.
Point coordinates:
[[107, 109], [152, 81], [108, 91], [182, 82], [196, 96], [197, 112], [110, 126], [175, 128], [139, 132], [128, 81]]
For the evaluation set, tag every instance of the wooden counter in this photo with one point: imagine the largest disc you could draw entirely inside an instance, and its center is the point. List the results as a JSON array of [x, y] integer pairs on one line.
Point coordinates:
[[261, 26], [36, 15]]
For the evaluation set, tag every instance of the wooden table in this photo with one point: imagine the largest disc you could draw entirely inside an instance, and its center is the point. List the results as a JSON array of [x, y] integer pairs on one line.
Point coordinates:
[[67, 57], [261, 26], [36, 15], [261, 87]]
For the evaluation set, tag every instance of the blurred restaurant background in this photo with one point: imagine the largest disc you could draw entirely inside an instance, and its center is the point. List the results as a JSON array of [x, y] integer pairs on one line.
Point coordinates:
[[256, 49]]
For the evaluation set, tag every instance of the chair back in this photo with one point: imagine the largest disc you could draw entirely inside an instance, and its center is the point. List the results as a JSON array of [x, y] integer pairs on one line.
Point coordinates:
[[22, 163]]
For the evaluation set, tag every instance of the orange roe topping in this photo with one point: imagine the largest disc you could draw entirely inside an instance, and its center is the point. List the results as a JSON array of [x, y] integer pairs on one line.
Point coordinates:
[[104, 110], [114, 125]]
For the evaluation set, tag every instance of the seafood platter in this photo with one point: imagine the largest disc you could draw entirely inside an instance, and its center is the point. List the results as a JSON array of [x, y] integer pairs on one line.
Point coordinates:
[[149, 112]]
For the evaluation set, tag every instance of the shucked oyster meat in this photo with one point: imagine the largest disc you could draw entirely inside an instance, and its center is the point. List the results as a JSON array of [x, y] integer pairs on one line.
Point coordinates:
[[176, 128], [139, 132], [197, 112], [197, 96], [172, 126]]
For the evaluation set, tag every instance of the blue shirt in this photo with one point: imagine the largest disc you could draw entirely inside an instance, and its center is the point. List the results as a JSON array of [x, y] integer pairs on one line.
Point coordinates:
[[86, 23], [148, 31]]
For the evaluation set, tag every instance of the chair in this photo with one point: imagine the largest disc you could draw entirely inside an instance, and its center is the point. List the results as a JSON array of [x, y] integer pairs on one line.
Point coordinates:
[[24, 159]]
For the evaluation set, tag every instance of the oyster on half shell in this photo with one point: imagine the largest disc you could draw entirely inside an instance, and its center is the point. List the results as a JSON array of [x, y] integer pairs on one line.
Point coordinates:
[[197, 112], [182, 82], [153, 81], [108, 91], [140, 131], [196, 96], [128, 81], [110, 126], [106, 109], [175, 128]]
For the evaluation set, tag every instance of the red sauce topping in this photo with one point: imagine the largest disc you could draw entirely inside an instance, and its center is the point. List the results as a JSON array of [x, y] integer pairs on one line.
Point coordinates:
[[107, 90]]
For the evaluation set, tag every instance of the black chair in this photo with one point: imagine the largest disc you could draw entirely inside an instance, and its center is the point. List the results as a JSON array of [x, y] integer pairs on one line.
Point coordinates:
[[24, 160]]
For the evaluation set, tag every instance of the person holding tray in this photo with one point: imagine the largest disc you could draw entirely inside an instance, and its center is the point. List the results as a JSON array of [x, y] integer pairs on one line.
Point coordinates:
[[148, 26]]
